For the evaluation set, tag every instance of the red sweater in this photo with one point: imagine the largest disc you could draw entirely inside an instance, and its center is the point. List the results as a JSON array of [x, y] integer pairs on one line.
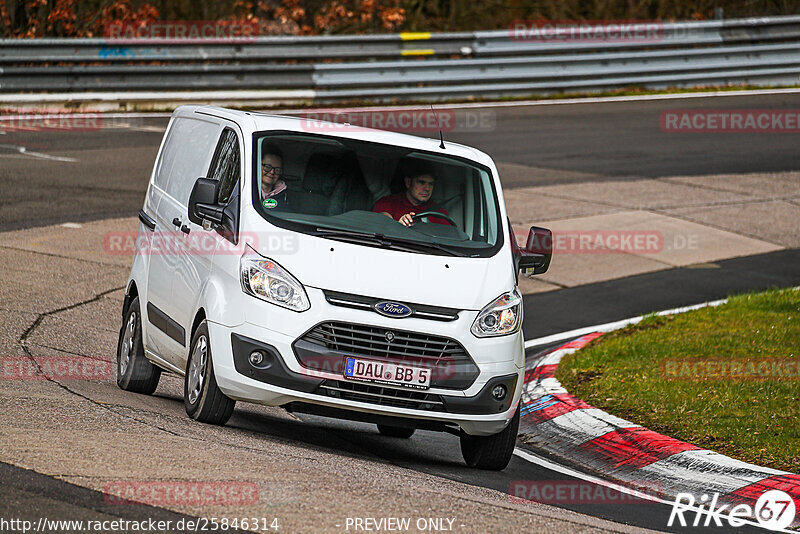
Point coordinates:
[[398, 205]]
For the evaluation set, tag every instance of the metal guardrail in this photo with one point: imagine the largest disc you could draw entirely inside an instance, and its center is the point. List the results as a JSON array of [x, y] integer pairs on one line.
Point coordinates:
[[481, 43], [151, 77], [764, 51], [34, 51], [670, 35]]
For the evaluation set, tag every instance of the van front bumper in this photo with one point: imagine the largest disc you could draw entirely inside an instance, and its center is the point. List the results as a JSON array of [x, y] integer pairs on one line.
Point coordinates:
[[279, 380]]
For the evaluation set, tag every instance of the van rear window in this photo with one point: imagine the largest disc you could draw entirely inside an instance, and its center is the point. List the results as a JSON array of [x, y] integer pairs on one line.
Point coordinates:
[[186, 157]]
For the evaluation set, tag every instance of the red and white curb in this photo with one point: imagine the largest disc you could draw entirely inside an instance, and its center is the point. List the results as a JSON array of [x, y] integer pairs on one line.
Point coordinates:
[[628, 454]]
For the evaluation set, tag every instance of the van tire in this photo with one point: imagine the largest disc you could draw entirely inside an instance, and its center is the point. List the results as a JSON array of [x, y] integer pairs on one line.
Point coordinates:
[[396, 431], [491, 452], [134, 371], [202, 397]]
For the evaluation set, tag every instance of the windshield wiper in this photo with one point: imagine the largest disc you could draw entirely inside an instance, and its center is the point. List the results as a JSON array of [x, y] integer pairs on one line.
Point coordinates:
[[381, 240], [322, 231], [426, 245]]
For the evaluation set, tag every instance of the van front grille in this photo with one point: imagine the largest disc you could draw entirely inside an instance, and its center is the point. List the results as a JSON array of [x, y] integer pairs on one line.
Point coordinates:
[[378, 342], [326, 345]]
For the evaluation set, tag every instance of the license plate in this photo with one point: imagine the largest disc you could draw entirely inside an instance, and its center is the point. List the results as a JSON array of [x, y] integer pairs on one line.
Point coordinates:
[[387, 373]]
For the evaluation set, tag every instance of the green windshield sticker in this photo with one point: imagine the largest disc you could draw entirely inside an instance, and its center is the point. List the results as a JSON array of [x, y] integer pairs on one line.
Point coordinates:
[[270, 203]]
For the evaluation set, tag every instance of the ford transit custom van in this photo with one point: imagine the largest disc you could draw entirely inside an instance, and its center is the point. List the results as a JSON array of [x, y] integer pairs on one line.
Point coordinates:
[[333, 270]]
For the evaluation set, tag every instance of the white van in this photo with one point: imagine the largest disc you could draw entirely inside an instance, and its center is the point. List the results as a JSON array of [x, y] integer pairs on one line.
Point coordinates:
[[271, 267]]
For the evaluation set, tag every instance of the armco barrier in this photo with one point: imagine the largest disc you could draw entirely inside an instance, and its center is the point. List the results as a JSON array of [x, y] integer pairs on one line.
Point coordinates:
[[762, 51], [255, 49]]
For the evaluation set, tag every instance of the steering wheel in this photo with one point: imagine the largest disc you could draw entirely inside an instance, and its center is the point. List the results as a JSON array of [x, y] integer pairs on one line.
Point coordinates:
[[441, 215]]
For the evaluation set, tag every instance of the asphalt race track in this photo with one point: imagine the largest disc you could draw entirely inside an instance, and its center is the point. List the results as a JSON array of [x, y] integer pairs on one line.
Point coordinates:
[[573, 143]]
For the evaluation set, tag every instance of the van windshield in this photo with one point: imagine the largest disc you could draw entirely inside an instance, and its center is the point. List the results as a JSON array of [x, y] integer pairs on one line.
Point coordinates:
[[375, 194]]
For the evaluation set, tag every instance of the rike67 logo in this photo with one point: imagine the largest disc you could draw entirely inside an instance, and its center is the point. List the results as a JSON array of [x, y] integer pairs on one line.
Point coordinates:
[[774, 510]]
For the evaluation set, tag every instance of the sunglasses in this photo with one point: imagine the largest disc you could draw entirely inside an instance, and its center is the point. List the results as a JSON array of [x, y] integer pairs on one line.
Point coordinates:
[[267, 168]]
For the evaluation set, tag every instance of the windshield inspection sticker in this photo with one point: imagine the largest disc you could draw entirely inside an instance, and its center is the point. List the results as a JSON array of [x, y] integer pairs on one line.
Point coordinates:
[[270, 203]]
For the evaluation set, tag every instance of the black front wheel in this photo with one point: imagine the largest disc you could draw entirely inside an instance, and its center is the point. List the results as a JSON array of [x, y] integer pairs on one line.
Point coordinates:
[[202, 397], [491, 452], [134, 371]]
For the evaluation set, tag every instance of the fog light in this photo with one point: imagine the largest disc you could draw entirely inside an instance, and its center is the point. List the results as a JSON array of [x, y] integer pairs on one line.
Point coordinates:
[[256, 358], [499, 392]]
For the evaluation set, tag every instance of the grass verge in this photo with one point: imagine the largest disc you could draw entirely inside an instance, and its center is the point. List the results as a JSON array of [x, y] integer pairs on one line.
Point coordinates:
[[724, 378]]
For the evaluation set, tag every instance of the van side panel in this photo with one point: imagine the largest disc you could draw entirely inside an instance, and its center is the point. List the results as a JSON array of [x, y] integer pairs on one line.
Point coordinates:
[[141, 262], [185, 158]]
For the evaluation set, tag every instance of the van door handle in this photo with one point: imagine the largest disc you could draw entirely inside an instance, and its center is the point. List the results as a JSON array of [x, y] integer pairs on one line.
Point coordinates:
[[176, 222], [185, 229]]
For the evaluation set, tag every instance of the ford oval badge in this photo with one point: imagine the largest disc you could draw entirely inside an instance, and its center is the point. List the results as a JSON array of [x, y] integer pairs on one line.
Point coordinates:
[[392, 309]]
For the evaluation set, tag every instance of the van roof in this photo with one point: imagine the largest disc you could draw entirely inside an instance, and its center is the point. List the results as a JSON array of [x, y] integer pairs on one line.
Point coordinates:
[[267, 121]]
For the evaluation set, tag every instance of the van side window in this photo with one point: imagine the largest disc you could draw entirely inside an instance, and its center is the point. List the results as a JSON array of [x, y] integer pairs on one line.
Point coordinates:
[[226, 165], [164, 161], [186, 156]]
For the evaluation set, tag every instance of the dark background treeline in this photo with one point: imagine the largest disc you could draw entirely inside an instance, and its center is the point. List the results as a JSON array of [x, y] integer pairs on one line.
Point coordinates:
[[89, 18]]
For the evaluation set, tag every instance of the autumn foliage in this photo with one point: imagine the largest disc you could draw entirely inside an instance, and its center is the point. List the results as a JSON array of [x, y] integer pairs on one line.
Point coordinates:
[[89, 18], [75, 18]]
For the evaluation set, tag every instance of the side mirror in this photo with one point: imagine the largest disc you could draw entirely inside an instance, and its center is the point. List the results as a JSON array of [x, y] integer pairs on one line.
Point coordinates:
[[203, 202], [535, 257]]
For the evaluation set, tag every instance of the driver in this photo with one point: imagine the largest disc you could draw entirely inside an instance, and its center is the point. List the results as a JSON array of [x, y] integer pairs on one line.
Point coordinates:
[[415, 199], [273, 189]]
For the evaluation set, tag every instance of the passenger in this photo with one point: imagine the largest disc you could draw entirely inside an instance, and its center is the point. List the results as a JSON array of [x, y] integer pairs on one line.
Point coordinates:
[[274, 194], [417, 198]]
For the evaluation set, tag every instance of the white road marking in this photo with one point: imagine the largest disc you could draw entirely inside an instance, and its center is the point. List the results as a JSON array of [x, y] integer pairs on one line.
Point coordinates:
[[87, 114], [155, 129], [232, 95], [616, 325], [558, 468], [183, 96], [24, 151]]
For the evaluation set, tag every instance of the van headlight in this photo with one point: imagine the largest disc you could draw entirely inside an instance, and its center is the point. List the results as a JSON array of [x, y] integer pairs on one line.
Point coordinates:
[[265, 279], [501, 317]]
